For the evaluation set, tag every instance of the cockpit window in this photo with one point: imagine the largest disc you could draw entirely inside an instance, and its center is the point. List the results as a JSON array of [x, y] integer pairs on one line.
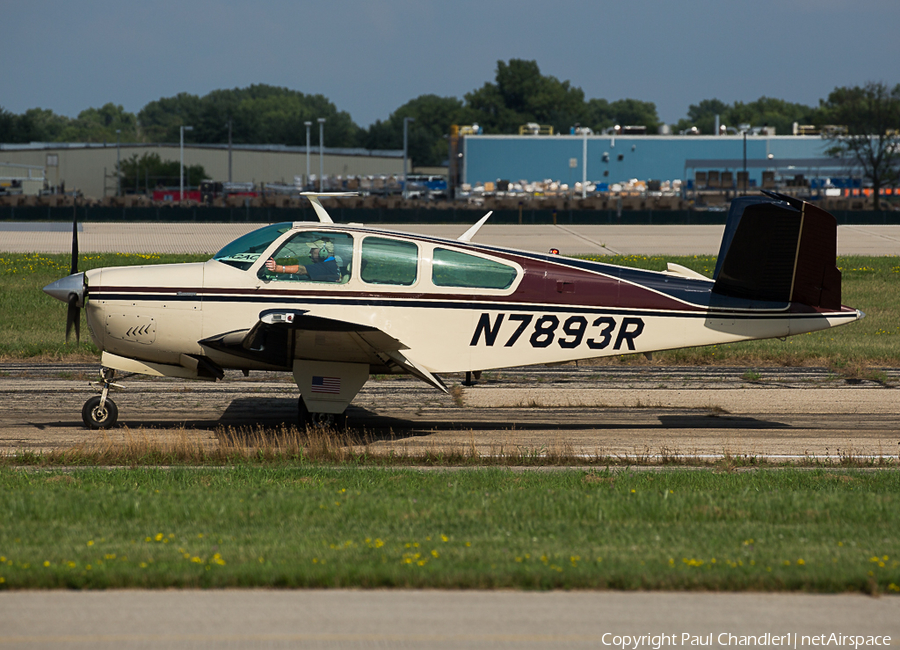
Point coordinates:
[[455, 269], [244, 251], [311, 256]]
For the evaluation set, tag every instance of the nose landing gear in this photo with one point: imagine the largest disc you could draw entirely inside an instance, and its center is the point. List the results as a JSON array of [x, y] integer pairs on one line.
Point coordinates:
[[100, 412]]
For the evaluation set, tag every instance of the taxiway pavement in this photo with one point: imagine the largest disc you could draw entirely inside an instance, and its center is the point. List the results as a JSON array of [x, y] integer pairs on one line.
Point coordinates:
[[434, 620], [640, 414], [207, 238]]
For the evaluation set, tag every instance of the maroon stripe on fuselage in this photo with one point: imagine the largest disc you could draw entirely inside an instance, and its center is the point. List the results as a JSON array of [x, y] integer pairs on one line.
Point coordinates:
[[542, 283]]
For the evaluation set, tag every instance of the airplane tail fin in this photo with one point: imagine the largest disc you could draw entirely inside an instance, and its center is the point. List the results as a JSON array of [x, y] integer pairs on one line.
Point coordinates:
[[780, 249]]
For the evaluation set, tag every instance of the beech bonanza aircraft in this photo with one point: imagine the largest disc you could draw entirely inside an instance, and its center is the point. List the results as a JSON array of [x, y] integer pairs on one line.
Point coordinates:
[[334, 303]]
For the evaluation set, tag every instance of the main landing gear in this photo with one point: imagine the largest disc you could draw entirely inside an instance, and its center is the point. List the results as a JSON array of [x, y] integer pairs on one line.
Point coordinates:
[[309, 419], [100, 412]]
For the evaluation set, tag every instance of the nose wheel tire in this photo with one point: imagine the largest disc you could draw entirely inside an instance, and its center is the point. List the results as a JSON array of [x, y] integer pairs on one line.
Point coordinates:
[[96, 417]]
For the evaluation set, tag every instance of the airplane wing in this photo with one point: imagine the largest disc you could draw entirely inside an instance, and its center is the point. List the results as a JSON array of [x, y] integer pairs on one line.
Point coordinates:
[[280, 336]]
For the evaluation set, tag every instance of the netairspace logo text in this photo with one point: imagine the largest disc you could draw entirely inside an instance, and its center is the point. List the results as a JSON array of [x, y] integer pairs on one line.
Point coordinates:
[[789, 640]]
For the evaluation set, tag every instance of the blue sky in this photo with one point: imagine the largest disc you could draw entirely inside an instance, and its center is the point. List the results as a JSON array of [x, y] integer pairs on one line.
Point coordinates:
[[371, 56]]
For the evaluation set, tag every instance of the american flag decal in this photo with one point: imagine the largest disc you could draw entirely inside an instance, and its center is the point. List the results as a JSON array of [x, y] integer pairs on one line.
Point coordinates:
[[329, 385]]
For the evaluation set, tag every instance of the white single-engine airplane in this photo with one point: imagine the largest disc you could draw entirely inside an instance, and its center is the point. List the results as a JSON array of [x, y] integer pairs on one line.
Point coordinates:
[[334, 303]]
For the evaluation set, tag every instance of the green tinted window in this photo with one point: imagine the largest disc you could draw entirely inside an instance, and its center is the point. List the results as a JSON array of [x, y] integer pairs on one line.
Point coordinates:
[[455, 269], [389, 261], [244, 251]]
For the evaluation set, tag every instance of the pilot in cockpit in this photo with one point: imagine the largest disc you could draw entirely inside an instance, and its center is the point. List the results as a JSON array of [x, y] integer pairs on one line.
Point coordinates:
[[324, 266]]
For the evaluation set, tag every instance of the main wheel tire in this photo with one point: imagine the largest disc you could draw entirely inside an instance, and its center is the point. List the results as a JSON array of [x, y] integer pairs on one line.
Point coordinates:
[[329, 420], [309, 419], [303, 415], [96, 418]]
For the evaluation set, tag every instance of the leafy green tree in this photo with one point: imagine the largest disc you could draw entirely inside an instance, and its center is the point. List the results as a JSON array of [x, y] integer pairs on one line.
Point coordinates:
[[34, 125], [765, 111], [868, 130], [100, 125], [521, 94], [427, 141], [260, 114], [9, 126], [703, 115], [43, 125], [161, 119], [599, 115], [490, 112], [602, 114], [150, 171], [91, 125], [772, 112]]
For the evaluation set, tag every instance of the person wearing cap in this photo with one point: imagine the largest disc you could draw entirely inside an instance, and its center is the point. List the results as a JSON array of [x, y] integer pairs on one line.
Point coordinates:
[[324, 266]]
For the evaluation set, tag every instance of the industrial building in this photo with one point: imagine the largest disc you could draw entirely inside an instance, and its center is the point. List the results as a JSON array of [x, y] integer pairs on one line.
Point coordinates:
[[605, 160], [495, 165], [90, 167]]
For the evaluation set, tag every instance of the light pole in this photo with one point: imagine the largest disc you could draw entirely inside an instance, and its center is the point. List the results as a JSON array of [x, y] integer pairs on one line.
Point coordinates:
[[119, 165], [584, 148], [321, 121], [307, 124], [746, 179], [229, 151], [406, 121], [181, 175]]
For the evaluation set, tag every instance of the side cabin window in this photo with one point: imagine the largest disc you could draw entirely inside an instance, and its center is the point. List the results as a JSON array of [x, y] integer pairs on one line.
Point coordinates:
[[389, 261], [451, 268], [311, 256]]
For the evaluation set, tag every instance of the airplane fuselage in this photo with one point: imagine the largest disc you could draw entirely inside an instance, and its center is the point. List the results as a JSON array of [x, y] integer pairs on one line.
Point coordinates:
[[335, 303], [553, 309]]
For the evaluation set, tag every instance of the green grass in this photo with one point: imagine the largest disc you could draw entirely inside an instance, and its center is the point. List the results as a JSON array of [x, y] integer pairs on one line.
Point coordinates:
[[32, 324], [825, 531]]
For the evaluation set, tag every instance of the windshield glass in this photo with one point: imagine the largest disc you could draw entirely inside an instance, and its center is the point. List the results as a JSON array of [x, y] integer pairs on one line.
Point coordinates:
[[244, 251]]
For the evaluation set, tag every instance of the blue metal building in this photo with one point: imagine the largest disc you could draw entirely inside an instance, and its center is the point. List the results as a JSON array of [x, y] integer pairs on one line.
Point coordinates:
[[615, 159]]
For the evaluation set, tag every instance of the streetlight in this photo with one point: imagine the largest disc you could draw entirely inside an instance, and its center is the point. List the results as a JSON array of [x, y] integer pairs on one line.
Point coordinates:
[[321, 121], [181, 176], [406, 121], [307, 124], [119, 165], [229, 151]]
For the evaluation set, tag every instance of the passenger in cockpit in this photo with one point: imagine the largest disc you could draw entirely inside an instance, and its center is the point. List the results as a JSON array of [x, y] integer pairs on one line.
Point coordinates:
[[324, 266]]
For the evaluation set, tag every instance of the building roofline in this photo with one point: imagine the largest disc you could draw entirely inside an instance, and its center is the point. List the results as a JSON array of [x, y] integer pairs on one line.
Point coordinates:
[[270, 148], [641, 138]]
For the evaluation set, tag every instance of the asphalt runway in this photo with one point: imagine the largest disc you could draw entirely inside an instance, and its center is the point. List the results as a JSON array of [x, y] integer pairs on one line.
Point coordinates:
[[435, 620], [640, 414], [207, 238]]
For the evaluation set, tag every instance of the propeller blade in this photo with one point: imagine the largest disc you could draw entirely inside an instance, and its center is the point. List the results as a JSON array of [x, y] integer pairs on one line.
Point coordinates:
[[73, 317], [74, 239]]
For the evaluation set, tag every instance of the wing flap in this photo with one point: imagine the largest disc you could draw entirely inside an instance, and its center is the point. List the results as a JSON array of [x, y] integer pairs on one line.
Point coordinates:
[[281, 336]]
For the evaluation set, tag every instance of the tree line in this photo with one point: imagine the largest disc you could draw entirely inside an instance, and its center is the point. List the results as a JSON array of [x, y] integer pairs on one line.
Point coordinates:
[[519, 94]]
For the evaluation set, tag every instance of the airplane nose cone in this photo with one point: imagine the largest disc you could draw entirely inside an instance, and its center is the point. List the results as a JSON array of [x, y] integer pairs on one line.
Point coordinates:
[[63, 288]]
